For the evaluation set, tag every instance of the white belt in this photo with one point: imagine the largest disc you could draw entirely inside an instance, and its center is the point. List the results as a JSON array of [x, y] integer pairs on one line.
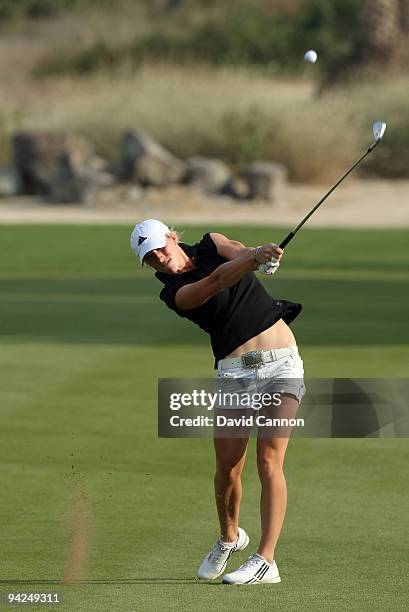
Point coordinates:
[[256, 359]]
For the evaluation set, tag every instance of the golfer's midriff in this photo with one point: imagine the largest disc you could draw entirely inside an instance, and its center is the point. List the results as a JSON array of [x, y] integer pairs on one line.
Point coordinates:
[[277, 336]]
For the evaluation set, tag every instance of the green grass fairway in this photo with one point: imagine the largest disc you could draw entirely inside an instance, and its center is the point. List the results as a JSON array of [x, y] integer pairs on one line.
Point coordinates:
[[84, 339]]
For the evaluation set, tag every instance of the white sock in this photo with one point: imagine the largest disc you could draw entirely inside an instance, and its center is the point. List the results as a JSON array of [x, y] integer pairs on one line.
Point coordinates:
[[229, 544]]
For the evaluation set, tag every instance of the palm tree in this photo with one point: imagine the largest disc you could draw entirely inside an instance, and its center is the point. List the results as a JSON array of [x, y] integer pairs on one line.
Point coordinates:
[[380, 41]]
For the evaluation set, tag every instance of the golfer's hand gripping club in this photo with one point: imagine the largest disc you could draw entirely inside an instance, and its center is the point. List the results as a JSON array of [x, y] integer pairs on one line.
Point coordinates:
[[270, 267], [268, 257]]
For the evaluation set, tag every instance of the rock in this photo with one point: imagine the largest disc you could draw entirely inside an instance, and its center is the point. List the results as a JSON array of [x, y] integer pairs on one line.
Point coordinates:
[[58, 166], [43, 158], [238, 188], [265, 180], [100, 166], [66, 186], [147, 162], [97, 173], [9, 182], [211, 175]]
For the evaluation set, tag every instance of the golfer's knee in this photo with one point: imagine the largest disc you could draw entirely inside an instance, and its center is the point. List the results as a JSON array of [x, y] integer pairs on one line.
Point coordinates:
[[228, 472], [269, 464]]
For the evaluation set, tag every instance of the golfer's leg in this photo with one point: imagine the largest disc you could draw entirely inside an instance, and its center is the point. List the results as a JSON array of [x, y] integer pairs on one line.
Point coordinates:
[[273, 501], [230, 458]]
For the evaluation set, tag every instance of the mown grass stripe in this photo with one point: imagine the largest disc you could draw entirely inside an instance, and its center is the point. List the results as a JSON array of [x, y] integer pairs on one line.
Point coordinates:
[[99, 299]]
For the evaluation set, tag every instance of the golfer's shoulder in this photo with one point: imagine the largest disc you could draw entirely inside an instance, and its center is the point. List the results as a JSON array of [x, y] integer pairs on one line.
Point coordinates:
[[209, 246], [216, 239], [209, 240]]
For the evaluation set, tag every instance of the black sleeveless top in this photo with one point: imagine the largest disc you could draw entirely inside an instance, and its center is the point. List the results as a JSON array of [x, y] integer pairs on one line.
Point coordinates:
[[235, 314]]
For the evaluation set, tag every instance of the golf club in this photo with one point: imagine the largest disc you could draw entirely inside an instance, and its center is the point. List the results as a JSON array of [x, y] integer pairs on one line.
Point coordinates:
[[378, 130]]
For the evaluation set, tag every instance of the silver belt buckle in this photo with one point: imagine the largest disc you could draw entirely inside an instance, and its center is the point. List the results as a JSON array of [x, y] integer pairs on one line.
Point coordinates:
[[252, 359]]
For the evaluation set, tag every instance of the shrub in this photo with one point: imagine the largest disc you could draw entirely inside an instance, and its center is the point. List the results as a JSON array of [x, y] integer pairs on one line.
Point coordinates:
[[36, 9], [248, 34]]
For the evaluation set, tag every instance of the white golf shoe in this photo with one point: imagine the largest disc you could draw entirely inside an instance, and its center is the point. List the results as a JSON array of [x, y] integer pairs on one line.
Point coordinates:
[[256, 570], [214, 564]]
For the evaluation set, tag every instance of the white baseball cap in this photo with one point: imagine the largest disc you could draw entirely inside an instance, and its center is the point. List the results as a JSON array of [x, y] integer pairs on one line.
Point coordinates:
[[148, 235]]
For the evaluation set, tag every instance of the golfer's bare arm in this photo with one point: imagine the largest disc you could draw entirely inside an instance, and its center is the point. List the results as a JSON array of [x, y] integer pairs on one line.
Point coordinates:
[[231, 249], [241, 260], [227, 248], [226, 275]]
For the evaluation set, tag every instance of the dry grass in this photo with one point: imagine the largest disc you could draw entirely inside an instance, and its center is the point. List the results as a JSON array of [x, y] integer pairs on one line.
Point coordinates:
[[237, 114], [83, 25], [226, 112]]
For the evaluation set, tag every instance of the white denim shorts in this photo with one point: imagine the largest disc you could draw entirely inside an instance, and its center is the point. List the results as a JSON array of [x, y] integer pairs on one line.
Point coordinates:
[[285, 374]]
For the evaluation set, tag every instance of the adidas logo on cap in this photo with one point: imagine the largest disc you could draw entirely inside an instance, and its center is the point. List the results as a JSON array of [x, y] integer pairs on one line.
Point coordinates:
[[147, 236]]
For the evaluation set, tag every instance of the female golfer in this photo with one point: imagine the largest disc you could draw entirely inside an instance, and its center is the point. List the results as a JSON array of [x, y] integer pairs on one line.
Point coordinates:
[[213, 284]]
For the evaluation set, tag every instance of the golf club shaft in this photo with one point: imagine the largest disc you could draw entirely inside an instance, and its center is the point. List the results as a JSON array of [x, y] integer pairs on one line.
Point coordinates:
[[293, 232]]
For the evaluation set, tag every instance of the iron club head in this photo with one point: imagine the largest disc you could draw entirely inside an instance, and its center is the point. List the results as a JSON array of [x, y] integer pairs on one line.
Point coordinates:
[[378, 130]]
